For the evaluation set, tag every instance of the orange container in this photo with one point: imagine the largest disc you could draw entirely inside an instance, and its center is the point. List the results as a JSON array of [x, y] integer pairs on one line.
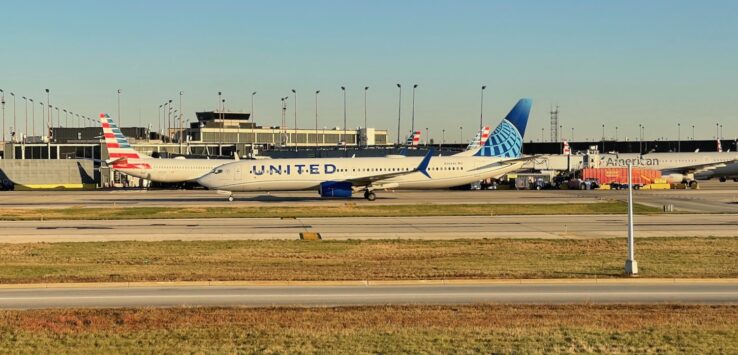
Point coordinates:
[[620, 175]]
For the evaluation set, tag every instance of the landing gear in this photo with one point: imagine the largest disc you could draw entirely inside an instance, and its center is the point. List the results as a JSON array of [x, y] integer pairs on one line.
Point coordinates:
[[230, 198], [723, 179], [370, 196]]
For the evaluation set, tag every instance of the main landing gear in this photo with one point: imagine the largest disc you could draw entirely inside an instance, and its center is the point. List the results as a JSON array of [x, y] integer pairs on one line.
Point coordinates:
[[369, 195], [230, 198]]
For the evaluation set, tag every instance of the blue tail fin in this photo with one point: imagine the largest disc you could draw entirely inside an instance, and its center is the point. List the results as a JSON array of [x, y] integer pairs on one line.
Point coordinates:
[[506, 141]]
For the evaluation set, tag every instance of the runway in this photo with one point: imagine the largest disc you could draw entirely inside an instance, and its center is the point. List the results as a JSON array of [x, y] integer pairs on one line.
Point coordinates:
[[708, 292], [549, 226], [715, 197]]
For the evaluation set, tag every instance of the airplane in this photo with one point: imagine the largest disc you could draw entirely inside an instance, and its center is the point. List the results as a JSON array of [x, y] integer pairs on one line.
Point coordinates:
[[678, 167], [342, 177], [127, 160]]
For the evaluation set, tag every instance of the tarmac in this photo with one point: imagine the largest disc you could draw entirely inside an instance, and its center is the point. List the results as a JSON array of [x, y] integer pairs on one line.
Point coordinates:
[[546, 226], [713, 197], [531, 292]]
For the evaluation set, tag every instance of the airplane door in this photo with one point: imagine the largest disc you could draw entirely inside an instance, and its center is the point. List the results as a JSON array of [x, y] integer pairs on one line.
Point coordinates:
[[238, 174]]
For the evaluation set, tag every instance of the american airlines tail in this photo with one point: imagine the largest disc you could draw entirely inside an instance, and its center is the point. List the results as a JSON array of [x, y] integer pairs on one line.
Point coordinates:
[[116, 142], [413, 140], [479, 139], [506, 141]]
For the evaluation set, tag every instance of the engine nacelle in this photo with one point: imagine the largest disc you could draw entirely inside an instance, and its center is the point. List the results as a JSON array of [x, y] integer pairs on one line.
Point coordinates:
[[674, 178], [336, 189]]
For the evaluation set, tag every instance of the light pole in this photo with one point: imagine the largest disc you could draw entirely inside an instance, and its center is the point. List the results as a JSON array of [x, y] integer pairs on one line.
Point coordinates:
[[640, 139], [159, 113], [220, 114], [43, 118], [58, 117], [692, 132], [443, 137], [631, 266], [616, 133], [399, 113], [79, 121], [717, 130], [120, 119], [366, 133], [181, 124], [283, 132], [427, 136], [461, 134], [481, 108], [343, 88], [66, 118], [3, 105], [294, 92], [25, 104], [572, 134], [164, 120], [33, 116], [316, 120], [412, 126], [253, 117], [541, 134], [48, 117], [15, 125], [679, 137]]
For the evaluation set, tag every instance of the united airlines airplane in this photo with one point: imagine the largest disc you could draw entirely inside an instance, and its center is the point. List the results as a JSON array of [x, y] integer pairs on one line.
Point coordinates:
[[342, 177]]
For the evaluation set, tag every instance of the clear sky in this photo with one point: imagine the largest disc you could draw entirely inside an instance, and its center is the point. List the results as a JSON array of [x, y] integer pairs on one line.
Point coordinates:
[[613, 62]]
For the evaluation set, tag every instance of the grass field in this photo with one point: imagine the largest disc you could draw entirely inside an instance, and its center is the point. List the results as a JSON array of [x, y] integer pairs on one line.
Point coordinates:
[[285, 260], [348, 210], [385, 329]]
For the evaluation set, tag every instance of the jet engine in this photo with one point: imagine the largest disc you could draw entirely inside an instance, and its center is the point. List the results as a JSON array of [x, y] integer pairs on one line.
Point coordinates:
[[335, 189]]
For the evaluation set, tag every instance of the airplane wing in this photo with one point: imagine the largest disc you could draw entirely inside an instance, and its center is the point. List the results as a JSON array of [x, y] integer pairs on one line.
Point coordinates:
[[369, 180], [509, 162], [698, 168]]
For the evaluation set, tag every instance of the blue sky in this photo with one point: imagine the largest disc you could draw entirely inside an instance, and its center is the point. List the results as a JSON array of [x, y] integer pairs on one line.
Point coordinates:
[[619, 63]]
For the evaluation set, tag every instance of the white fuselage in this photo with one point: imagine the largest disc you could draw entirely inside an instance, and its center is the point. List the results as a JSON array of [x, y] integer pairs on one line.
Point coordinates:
[[168, 170], [308, 174], [676, 164]]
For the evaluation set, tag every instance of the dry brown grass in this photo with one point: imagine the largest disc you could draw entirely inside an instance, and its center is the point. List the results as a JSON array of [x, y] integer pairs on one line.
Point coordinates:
[[436, 329], [362, 260]]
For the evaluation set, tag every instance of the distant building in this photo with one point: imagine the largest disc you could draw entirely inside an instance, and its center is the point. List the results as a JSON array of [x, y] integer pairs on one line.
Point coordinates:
[[236, 128]]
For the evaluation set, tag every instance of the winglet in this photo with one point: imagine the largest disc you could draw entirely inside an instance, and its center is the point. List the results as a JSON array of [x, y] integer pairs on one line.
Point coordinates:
[[423, 167]]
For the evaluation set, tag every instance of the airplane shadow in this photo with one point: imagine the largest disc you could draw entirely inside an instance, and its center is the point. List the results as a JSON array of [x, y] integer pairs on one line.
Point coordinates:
[[259, 198]]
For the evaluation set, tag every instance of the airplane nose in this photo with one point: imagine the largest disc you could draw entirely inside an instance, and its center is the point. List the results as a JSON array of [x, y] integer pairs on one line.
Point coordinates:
[[206, 180]]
